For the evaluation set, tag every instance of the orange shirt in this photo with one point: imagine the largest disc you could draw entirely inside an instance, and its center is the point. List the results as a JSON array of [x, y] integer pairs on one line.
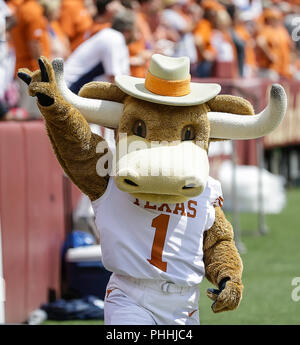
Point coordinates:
[[279, 43], [204, 31], [75, 21], [139, 45], [31, 27], [134, 49]]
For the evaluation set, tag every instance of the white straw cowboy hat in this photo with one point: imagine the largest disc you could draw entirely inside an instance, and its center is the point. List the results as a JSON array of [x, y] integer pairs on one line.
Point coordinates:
[[168, 81]]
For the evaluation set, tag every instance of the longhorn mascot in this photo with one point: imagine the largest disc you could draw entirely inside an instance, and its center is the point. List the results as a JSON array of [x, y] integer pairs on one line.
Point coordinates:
[[158, 212]]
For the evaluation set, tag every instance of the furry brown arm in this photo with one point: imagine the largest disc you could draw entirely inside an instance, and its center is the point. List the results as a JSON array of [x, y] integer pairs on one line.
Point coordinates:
[[72, 140], [222, 261], [76, 151]]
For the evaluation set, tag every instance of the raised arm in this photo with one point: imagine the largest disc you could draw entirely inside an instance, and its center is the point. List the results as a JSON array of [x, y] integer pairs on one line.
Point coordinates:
[[72, 140], [223, 265]]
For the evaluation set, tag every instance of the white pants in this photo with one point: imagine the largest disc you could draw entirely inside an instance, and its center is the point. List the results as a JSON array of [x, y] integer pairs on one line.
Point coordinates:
[[130, 301]]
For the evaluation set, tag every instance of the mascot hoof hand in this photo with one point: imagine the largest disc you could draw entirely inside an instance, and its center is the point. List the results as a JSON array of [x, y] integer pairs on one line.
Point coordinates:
[[227, 297], [41, 83]]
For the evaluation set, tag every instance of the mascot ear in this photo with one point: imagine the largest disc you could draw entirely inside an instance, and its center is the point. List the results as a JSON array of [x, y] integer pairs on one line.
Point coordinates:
[[102, 90], [230, 104]]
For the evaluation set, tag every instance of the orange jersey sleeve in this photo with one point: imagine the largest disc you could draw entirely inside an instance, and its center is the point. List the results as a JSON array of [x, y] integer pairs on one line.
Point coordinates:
[[279, 46], [31, 28], [203, 30], [134, 49], [75, 21]]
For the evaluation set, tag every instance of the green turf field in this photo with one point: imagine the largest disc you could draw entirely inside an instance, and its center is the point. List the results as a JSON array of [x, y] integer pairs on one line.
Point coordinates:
[[270, 264]]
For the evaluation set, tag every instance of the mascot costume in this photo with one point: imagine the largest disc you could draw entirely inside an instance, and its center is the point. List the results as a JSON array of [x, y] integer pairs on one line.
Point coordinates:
[[157, 209]]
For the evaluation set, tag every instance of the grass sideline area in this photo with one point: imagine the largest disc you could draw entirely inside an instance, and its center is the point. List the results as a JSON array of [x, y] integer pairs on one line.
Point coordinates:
[[270, 264]]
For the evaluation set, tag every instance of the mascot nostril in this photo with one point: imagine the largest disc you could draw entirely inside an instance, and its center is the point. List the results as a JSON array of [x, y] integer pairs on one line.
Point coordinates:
[[130, 182], [188, 187], [162, 240]]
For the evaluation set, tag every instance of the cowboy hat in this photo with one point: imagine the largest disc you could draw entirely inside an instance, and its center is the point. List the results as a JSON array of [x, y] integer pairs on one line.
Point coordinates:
[[168, 81]]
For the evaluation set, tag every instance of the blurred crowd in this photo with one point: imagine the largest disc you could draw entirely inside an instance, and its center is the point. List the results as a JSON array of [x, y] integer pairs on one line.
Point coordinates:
[[99, 39]]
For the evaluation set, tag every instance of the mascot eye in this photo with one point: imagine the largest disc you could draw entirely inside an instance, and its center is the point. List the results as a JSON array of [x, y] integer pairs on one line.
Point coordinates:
[[139, 128], [188, 133]]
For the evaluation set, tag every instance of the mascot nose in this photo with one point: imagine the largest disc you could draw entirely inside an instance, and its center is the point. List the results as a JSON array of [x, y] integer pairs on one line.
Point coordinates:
[[132, 182], [180, 170]]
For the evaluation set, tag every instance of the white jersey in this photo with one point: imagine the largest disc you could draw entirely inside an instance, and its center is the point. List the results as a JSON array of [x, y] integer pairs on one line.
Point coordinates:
[[155, 241]]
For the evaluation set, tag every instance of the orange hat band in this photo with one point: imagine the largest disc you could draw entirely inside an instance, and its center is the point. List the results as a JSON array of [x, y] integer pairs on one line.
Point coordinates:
[[175, 88]]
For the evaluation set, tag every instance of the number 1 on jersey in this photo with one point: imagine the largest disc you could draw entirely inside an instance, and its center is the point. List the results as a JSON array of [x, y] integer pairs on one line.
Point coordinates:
[[160, 223]]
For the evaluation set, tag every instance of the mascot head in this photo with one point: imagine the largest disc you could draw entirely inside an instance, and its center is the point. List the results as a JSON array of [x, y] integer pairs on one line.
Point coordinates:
[[164, 125]]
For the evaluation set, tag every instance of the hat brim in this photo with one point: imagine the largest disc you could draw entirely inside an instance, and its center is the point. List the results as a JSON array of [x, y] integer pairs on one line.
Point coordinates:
[[200, 92]]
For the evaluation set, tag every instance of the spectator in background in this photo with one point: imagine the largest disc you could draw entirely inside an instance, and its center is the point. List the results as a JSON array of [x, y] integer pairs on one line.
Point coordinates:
[[59, 43], [4, 12], [75, 21], [90, 6], [5, 62], [105, 11], [203, 35], [146, 7], [104, 55], [173, 18], [242, 31], [153, 16], [274, 47], [140, 50], [7, 66], [237, 40], [30, 35], [222, 42], [200, 29], [163, 39], [30, 38], [250, 9]]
